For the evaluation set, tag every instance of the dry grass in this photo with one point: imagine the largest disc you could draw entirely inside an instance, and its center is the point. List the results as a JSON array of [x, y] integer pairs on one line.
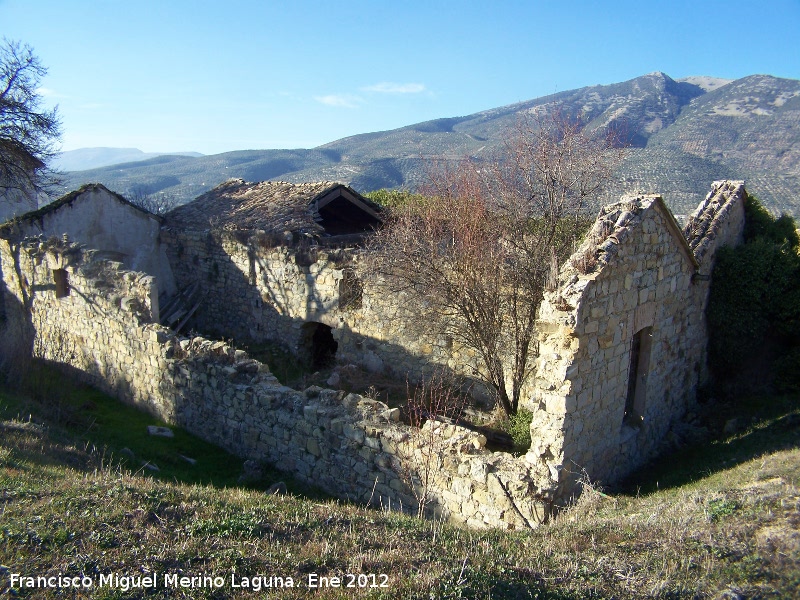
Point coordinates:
[[731, 530]]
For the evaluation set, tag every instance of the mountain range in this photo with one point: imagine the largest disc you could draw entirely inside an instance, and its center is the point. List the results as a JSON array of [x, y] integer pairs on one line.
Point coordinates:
[[683, 134], [83, 159]]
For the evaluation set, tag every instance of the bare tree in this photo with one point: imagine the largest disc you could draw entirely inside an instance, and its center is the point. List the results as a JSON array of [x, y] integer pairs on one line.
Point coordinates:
[[430, 404], [478, 253], [158, 203], [28, 133]]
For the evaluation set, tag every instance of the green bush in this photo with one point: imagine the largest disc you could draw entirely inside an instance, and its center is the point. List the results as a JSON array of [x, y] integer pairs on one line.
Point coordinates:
[[754, 304], [394, 198], [519, 427], [787, 372]]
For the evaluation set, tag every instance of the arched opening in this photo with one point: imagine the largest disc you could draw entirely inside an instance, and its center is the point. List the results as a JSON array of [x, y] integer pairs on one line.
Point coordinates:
[[318, 345]]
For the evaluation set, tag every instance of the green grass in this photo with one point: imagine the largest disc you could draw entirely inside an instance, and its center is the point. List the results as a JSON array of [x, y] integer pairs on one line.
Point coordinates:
[[118, 433], [724, 518], [763, 424]]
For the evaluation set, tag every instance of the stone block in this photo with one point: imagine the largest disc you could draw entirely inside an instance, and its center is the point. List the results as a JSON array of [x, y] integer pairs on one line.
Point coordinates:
[[312, 446], [478, 471], [310, 413], [462, 487]]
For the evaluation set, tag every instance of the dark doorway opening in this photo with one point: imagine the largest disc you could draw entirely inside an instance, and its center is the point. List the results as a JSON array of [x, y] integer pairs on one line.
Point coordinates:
[[319, 345]]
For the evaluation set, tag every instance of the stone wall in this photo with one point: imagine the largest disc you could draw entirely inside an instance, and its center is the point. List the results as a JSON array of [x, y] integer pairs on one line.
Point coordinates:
[[631, 300], [106, 222], [352, 447], [718, 221], [14, 202], [257, 292], [635, 274]]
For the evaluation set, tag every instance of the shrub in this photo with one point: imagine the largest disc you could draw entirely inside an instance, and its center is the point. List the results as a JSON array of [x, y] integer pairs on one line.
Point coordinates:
[[394, 198], [519, 427], [787, 372], [754, 304]]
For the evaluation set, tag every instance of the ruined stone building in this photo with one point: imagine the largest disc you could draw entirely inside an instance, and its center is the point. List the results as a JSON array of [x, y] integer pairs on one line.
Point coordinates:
[[622, 339]]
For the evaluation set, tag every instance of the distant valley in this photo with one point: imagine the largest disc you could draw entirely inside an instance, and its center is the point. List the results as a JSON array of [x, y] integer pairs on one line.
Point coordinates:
[[684, 134]]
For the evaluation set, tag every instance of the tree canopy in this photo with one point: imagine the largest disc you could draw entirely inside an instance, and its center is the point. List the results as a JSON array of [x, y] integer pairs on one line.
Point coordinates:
[[478, 254], [28, 132]]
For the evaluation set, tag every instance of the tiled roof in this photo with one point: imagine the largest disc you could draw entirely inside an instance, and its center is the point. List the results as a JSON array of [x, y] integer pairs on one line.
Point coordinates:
[[707, 218], [271, 206]]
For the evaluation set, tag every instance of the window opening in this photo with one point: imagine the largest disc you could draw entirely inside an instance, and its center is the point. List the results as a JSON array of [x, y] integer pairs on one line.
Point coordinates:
[[61, 279], [350, 290], [637, 376]]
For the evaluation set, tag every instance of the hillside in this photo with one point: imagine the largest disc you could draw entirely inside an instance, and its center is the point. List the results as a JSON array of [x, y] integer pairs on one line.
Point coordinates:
[[683, 135], [93, 158], [720, 519]]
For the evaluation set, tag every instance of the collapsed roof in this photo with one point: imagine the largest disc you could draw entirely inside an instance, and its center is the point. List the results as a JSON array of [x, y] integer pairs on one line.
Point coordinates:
[[320, 209]]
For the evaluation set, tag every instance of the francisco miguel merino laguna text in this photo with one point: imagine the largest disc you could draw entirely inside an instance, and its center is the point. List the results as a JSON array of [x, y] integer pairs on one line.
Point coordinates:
[[167, 580], [174, 580]]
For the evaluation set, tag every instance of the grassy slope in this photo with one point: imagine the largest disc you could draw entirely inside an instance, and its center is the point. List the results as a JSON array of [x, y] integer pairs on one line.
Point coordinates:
[[722, 517]]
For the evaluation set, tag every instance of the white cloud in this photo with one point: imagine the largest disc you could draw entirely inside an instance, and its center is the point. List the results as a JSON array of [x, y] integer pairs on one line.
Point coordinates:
[[48, 93], [340, 100], [387, 87]]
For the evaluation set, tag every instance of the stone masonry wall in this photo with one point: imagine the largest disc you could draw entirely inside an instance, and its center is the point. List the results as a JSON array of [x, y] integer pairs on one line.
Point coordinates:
[[256, 292], [350, 446], [634, 272], [718, 221]]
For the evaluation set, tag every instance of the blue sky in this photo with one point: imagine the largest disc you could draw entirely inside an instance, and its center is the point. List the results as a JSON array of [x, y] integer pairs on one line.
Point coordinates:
[[174, 75]]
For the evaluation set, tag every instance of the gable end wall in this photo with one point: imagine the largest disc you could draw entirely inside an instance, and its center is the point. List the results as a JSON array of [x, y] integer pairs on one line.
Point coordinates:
[[645, 278]]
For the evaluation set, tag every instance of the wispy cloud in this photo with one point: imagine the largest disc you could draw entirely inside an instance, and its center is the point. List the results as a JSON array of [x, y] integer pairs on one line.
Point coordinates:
[[388, 87], [48, 93], [340, 100]]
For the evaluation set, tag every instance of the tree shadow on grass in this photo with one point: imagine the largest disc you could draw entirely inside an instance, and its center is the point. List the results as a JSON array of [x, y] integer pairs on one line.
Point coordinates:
[[755, 425]]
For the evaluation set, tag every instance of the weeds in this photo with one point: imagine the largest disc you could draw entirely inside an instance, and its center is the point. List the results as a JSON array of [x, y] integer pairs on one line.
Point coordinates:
[[727, 529], [433, 398], [519, 427]]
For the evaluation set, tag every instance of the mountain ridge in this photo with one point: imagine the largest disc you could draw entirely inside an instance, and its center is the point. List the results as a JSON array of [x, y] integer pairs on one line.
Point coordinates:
[[82, 159], [683, 134]]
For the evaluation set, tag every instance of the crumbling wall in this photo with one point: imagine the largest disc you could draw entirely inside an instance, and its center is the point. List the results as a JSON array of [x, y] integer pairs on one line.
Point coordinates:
[[257, 288], [103, 221], [15, 202], [718, 221], [74, 320], [635, 276], [352, 447]]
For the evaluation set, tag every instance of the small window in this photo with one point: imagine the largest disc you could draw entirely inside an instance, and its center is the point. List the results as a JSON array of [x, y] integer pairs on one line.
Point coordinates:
[[61, 279], [350, 291], [637, 376]]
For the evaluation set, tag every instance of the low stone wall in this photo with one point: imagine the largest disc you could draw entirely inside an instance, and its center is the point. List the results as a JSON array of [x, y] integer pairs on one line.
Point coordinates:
[[351, 446]]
